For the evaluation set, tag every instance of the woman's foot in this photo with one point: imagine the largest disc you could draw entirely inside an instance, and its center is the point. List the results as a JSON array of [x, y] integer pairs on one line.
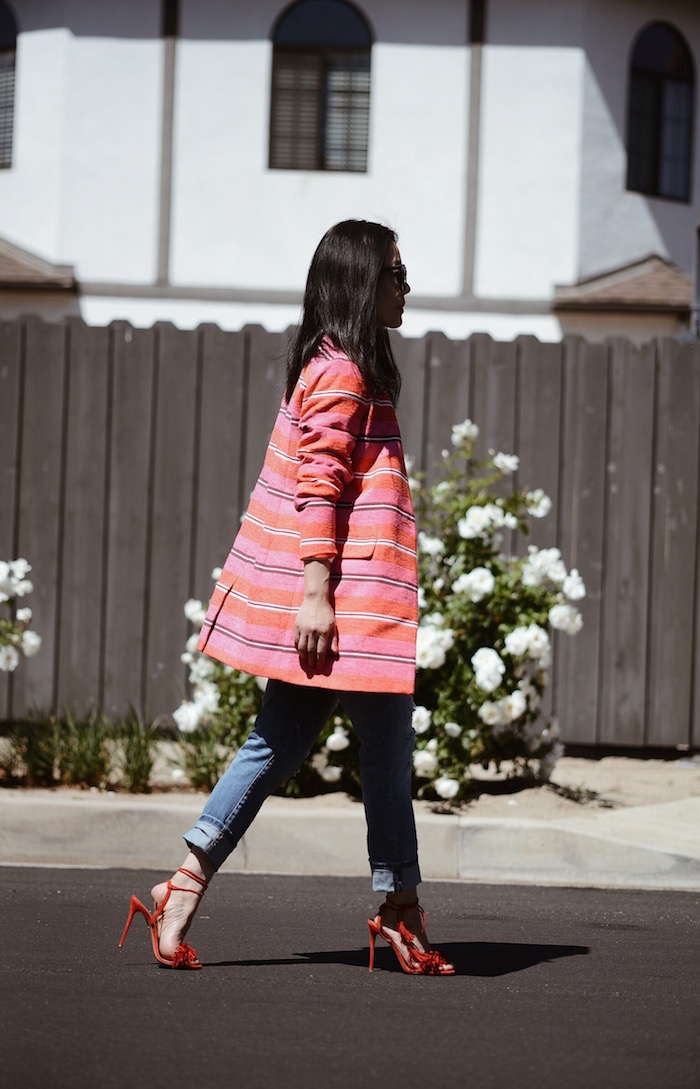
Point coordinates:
[[402, 924], [179, 911], [411, 916]]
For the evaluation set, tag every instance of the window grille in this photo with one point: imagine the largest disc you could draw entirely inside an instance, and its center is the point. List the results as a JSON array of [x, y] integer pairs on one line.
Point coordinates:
[[319, 117], [660, 114], [8, 44]]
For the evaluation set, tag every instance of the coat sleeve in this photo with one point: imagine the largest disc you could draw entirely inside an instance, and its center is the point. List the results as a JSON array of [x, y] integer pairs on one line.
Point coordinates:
[[334, 409]]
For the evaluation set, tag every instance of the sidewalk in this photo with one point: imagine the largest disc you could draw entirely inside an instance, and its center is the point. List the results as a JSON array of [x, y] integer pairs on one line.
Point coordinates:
[[615, 822]]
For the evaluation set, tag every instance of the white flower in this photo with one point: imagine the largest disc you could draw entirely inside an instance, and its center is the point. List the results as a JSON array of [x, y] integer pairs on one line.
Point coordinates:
[[541, 564], [31, 643], [24, 615], [538, 504], [421, 598], [187, 717], [338, 740], [538, 645], [517, 642], [513, 705], [425, 763], [207, 697], [506, 463], [331, 773], [432, 642], [20, 588], [490, 713], [432, 546], [476, 584], [262, 683], [20, 568], [488, 668], [452, 729], [566, 618], [476, 523], [573, 586], [446, 788], [216, 573], [466, 431], [201, 669], [195, 611], [9, 659], [421, 719]]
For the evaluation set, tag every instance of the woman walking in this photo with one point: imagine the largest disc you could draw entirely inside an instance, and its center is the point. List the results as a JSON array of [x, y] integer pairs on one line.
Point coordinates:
[[319, 594]]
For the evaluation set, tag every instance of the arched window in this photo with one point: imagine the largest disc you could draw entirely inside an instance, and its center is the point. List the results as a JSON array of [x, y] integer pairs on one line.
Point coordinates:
[[319, 116], [660, 114], [8, 47]]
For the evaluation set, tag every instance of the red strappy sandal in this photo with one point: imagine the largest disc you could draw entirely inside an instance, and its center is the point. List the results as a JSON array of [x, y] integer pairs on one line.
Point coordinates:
[[184, 956], [413, 960]]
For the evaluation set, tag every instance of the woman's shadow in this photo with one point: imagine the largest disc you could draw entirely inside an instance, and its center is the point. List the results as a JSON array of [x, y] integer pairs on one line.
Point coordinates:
[[469, 958]]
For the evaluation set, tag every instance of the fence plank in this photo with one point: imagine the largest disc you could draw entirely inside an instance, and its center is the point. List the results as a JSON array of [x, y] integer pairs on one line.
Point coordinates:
[[674, 548], [41, 506], [10, 417], [538, 421], [626, 565], [410, 359], [81, 585], [171, 516], [494, 393], [223, 421], [539, 382], [581, 519], [128, 540], [448, 390], [266, 367]]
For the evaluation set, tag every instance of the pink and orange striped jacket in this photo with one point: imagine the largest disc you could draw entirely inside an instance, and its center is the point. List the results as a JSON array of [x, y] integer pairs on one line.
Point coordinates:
[[333, 486]]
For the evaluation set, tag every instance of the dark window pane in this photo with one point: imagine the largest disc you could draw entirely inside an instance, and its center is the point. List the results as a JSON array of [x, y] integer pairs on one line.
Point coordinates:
[[322, 23], [8, 29], [661, 49], [660, 114]]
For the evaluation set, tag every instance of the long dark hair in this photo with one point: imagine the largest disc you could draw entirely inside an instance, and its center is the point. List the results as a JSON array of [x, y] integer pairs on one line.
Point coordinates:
[[340, 302]]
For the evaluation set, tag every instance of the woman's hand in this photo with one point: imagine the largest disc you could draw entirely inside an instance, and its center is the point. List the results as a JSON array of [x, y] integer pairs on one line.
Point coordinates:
[[315, 632]]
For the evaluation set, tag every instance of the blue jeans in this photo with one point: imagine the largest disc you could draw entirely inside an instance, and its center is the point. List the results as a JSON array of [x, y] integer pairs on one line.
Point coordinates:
[[290, 720]]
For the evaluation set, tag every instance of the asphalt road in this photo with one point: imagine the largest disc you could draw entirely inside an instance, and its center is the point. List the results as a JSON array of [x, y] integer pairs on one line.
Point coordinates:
[[555, 988]]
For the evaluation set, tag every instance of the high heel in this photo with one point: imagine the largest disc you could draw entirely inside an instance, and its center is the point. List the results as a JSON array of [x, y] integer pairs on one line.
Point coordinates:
[[414, 961], [184, 956]]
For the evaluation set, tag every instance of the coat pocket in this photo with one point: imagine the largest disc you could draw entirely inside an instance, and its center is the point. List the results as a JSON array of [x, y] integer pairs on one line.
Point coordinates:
[[356, 548]]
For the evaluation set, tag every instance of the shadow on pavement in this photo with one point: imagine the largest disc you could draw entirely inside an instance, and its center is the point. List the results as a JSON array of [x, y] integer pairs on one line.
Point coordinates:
[[469, 958]]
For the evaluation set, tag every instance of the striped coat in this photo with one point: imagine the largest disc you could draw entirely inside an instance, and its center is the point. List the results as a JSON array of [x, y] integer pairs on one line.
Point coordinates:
[[333, 486]]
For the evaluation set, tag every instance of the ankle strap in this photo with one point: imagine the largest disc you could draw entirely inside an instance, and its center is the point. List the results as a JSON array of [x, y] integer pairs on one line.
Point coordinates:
[[401, 908], [193, 876]]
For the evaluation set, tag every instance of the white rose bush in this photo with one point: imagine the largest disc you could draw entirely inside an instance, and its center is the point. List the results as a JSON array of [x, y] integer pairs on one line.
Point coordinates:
[[484, 643], [483, 650], [17, 640]]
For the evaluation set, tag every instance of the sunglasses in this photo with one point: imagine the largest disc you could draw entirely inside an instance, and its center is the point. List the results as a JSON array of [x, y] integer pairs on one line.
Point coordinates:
[[399, 272]]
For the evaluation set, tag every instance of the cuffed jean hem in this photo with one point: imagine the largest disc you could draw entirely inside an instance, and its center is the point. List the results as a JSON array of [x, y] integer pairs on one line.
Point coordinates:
[[216, 844], [394, 878]]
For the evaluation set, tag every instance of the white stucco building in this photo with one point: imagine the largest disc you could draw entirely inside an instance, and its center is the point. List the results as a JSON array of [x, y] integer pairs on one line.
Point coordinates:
[[179, 160]]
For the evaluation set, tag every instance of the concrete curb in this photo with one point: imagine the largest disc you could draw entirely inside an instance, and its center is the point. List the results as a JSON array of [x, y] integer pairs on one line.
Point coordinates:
[[641, 847]]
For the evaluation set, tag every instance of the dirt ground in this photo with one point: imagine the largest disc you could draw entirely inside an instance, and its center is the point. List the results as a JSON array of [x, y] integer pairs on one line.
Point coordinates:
[[579, 783]]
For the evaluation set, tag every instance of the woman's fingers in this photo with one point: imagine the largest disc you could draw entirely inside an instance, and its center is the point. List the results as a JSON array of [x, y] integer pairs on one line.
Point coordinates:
[[313, 646]]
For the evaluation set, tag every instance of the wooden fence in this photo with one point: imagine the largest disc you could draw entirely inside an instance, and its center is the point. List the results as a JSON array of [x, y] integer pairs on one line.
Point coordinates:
[[126, 457]]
